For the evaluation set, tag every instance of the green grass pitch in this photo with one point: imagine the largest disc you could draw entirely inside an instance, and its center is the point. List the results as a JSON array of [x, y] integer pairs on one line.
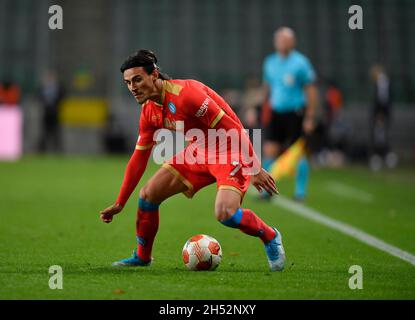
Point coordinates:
[[49, 216]]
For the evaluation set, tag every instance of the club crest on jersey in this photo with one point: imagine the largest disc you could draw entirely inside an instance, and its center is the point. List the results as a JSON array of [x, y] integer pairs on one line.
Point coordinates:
[[203, 108], [172, 107]]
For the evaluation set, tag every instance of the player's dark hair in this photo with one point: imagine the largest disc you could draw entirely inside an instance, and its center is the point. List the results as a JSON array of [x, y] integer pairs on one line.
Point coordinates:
[[143, 58]]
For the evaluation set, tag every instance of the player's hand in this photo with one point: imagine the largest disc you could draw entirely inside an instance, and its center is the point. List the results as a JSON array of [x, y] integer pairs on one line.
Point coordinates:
[[264, 181], [108, 213], [308, 125]]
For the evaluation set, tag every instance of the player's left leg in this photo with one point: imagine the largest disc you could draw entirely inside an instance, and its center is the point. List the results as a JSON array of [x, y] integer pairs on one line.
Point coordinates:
[[161, 186], [229, 212]]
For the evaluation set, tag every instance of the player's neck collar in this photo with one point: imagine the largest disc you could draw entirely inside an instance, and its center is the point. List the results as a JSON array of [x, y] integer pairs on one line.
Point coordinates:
[[162, 96]]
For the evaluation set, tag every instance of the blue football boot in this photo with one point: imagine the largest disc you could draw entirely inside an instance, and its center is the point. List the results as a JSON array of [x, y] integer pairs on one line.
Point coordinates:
[[134, 261], [275, 253]]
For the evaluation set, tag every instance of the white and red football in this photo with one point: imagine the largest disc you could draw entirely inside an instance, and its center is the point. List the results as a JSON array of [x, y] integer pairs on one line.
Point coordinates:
[[202, 252]]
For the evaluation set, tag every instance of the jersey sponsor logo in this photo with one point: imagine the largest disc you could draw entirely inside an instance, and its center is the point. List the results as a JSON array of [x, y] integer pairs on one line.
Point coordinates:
[[203, 108], [172, 107]]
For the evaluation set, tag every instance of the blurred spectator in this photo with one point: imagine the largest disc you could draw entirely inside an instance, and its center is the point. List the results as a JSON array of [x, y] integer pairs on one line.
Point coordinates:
[[51, 94], [251, 103], [333, 102], [329, 139], [334, 135], [9, 93], [380, 120], [114, 137], [233, 98]]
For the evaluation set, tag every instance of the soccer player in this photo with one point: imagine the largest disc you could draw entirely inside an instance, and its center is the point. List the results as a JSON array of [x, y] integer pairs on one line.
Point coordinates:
[[165, 103], [289, 78]]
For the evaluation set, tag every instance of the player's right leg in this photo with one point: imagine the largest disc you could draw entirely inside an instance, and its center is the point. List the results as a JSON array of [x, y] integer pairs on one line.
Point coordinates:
[[228, 211], [161, 186]]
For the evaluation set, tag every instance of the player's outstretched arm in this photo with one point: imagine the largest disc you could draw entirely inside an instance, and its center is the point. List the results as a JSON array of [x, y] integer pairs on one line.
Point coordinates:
[[264, 181], [107, 214], [261, 179], [133, 173], [215, 117]]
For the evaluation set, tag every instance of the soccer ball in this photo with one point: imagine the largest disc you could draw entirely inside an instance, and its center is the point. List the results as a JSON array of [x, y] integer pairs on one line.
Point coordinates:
[[202, 252]]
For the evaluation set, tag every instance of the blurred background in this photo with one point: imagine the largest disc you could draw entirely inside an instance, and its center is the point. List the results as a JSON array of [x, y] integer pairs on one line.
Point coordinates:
[[71, 98]]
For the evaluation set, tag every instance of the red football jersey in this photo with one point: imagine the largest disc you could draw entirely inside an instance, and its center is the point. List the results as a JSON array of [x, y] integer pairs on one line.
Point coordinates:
[[184, 102], [187, 105]]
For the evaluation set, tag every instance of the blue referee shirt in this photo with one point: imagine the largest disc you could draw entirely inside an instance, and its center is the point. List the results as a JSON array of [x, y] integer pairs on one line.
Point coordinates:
[[286, 77]]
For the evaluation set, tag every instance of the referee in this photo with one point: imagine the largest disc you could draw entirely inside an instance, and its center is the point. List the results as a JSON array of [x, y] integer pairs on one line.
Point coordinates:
[[289, 78]]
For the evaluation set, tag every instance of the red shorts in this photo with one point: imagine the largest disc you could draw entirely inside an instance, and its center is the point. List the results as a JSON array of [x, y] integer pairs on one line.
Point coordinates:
[[196, 175]]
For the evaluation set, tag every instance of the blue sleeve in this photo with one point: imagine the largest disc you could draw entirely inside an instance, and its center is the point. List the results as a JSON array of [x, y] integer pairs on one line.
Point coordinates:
[[307, 73]]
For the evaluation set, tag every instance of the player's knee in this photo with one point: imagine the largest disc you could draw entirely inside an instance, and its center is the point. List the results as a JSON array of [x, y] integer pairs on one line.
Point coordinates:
[[147, 194], [223, 210]]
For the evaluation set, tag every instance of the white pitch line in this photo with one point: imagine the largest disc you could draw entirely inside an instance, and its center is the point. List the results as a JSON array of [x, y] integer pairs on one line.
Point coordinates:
[[364, 237]]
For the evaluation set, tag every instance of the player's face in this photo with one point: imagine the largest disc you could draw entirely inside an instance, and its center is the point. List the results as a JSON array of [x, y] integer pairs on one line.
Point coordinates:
[[140, 84]]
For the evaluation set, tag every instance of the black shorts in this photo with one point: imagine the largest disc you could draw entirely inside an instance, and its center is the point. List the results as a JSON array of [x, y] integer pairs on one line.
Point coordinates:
[[285, 128]]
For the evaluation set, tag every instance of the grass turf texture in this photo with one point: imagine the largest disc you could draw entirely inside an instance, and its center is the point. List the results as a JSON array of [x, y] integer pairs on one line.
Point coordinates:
[[49, 216]]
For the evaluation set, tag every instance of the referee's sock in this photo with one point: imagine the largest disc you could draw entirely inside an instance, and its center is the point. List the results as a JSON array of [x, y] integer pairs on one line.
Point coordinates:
[[301, 178]]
